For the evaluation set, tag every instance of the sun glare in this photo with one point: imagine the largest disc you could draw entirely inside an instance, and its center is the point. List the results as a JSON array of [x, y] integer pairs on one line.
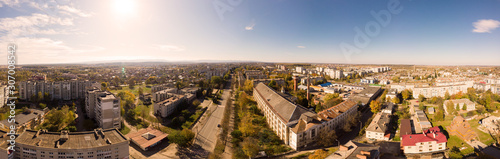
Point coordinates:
[[124, 7]]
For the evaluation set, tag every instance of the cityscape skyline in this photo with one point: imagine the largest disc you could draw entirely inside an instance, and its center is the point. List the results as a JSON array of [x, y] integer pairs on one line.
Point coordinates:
[[417, 32]]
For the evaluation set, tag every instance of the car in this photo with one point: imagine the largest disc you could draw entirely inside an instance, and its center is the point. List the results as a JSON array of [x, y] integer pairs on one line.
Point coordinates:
[[218, 125]]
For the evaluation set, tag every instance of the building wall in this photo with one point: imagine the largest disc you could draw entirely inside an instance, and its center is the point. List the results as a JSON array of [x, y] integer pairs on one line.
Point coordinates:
[[118, 150], [424, 147]]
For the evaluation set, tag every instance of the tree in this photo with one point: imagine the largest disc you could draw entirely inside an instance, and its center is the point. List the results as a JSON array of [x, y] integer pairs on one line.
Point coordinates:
[[131, 83], [447, 95], [273, 85], [140, 91], [104, 85], [395, 100], [421, 98], [247, 127], [217, 80], [375, 106], [250, 147], [39, 97], [450, 107], [405, 94], [196, 102], [421, 106], [326, 137], [182, 138], [319, 154], [439, 116], [464, 107], [42, 105], [330, 96], [457, 108]]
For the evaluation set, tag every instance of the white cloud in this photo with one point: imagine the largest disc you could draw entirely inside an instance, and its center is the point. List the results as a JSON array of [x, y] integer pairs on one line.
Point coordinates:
[[301, 47], [71, 10], [250, 26], [36, 50], [9, 3], [170, 48], [485, 25], [31, 25]]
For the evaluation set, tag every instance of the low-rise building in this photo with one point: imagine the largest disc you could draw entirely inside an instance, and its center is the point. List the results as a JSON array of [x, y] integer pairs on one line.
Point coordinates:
[[430, 141], [491, 124], [147, 138], [25, 120], [470, 106], [461, 128], [379, 127]]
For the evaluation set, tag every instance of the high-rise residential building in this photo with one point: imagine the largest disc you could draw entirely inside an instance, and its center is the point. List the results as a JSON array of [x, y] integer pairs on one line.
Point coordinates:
[[107, 110], [90, 101], [60, 90]]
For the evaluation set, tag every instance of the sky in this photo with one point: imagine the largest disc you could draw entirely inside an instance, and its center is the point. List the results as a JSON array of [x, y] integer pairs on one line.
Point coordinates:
[[424, 32]]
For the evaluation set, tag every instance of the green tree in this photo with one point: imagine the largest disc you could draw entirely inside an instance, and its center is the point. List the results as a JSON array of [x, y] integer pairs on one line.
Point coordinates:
[[447, 95], [250, 147], [42, 105], [273, 84], [405, 94], [140, 91], [421, 98], [326, 137], [464, 107], [395, 100], [375, 106], [182, 138]]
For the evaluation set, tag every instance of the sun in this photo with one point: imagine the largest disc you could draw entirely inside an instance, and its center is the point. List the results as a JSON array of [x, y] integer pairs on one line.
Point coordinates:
[[124, 7]]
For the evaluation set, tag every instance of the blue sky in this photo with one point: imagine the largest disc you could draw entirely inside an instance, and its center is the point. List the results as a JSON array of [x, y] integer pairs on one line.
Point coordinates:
[[459, 32]]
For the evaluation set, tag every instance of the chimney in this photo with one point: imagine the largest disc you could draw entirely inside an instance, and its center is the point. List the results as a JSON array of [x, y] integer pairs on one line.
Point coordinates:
[[343, 148], [360, 156], [295, 79], [366, 153]]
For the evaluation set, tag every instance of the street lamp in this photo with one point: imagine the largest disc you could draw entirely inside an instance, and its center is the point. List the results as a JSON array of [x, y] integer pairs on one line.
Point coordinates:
[[338, 142]]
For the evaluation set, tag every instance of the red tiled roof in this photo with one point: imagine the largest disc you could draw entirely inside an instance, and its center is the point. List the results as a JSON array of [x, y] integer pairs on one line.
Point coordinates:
[[432, 134]]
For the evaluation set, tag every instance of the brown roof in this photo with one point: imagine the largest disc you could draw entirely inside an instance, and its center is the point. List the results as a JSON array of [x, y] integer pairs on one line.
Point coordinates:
[[405, 127], [335, 111], [147, 137], [461, 128]]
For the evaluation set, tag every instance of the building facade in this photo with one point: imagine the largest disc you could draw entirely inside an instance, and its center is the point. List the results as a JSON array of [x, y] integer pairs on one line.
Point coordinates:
[[431, 141], [107, 143], [61, 90], [107, 110]]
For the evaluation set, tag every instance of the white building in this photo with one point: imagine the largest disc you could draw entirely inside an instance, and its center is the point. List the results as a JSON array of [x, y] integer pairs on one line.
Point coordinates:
[[107, 110]]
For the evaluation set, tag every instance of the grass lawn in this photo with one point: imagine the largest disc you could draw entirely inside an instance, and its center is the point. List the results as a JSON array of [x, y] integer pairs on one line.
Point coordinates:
[[446, 122], [483, 137], [125, 130], [456, 141]]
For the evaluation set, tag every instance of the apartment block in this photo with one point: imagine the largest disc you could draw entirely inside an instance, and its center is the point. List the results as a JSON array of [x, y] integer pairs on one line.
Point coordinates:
[[60, 90], [90, 101], [107, 110], [168, 105], [100, 143]]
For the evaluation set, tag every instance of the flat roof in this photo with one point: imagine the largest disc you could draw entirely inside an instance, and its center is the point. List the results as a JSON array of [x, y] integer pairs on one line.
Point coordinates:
[[76, 140], [147, 137]]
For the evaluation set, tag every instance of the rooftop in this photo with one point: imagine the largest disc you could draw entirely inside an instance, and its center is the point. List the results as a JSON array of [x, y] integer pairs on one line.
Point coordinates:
[[432, 134], [74, 140], [147, 137]]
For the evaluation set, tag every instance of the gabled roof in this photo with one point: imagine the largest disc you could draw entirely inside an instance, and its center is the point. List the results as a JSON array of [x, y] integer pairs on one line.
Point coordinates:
[[431, 134], [336, 110], [285, 109]]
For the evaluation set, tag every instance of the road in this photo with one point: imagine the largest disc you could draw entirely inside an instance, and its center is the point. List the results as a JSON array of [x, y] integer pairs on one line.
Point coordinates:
[[207, 133]]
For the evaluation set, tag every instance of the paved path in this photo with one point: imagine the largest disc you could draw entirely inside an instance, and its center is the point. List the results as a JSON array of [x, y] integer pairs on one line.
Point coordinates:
[[207, 131]]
